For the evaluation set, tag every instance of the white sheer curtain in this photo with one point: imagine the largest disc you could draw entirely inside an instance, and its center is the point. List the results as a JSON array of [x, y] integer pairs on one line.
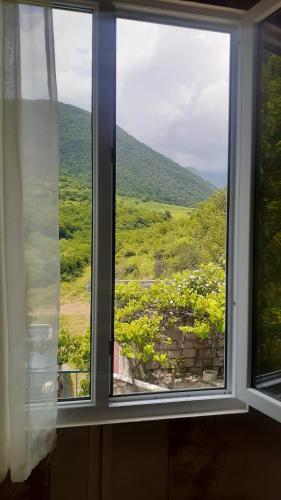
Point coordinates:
[[29, 245]]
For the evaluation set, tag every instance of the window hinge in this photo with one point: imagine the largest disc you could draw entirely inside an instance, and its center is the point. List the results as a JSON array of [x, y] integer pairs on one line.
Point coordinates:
[[111, 347], [113, 156]]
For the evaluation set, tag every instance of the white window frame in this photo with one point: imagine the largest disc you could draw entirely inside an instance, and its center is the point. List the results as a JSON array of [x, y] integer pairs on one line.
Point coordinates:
[[238, 394], [253, 397]]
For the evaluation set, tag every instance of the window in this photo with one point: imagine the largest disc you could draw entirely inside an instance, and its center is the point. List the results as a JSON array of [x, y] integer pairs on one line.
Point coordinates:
[[171, 207], [257, 376], [266, 300], [165, 288], [74, 82], [162, 214]]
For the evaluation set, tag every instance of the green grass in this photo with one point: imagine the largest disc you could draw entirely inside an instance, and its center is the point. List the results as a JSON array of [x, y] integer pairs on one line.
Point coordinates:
[[155, 206], [77, 289], [75, 304]]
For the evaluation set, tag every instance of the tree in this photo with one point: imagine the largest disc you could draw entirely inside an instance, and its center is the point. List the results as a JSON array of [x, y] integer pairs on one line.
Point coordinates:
[[190, 302]]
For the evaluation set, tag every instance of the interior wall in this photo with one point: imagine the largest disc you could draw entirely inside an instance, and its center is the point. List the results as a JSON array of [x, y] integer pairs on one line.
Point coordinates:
[[234, 457]]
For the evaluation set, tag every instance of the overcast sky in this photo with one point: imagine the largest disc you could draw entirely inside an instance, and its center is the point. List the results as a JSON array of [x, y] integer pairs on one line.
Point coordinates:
[[172, 85]]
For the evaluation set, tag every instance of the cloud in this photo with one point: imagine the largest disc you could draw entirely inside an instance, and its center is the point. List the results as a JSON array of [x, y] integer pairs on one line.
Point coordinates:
[[73, 42], [34, 75], [172, 84], [174, 94]]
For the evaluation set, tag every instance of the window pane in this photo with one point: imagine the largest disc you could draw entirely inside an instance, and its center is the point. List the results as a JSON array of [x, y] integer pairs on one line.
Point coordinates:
[[171, 207], [74, 80], [267, 235]]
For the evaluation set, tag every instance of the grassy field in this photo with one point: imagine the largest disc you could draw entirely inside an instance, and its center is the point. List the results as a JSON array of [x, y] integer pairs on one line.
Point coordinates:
[[154, 206], [75, 304], [76, 290]]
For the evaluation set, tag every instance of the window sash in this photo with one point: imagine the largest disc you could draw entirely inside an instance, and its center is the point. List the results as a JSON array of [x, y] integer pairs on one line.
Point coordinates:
[[104, 187], [179, 21], [252, 396]]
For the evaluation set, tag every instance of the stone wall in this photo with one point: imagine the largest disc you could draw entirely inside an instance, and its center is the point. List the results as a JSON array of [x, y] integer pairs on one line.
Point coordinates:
[[188, 353]]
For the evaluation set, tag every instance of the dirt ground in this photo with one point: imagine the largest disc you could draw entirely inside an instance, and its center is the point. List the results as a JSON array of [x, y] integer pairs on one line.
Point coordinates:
[[75, 316]]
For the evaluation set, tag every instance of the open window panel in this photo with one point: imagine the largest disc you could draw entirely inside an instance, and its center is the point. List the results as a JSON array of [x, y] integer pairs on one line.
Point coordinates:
[[260, 347], [171, 207]]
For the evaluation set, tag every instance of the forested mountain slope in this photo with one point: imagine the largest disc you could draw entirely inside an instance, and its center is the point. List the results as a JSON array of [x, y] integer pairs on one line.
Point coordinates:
[[141, 171]]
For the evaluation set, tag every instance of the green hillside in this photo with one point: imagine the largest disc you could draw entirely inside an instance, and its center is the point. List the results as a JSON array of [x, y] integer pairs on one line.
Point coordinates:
[[152, 239], [141, 171]]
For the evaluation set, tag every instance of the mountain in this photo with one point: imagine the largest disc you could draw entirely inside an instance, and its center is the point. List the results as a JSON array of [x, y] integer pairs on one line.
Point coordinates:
[[218, 179], [141, 171]]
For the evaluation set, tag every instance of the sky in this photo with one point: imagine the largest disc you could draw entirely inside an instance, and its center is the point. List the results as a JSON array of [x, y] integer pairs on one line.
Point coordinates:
[[172, 85]]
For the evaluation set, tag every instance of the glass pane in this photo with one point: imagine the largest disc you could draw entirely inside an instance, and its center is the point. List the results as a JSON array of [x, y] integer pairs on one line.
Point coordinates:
[[267, 234], [171, 207], [74, 80]]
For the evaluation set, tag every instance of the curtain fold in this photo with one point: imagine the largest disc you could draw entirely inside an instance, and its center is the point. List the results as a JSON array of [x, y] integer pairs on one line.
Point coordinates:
[[29, 241]]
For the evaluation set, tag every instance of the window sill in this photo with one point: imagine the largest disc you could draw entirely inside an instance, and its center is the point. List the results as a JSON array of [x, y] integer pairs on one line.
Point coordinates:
[[84, 413]]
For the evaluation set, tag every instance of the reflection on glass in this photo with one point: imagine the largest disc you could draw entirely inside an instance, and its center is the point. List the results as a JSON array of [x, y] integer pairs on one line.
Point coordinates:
[[171, 208], [74, 80], [267, 237]]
